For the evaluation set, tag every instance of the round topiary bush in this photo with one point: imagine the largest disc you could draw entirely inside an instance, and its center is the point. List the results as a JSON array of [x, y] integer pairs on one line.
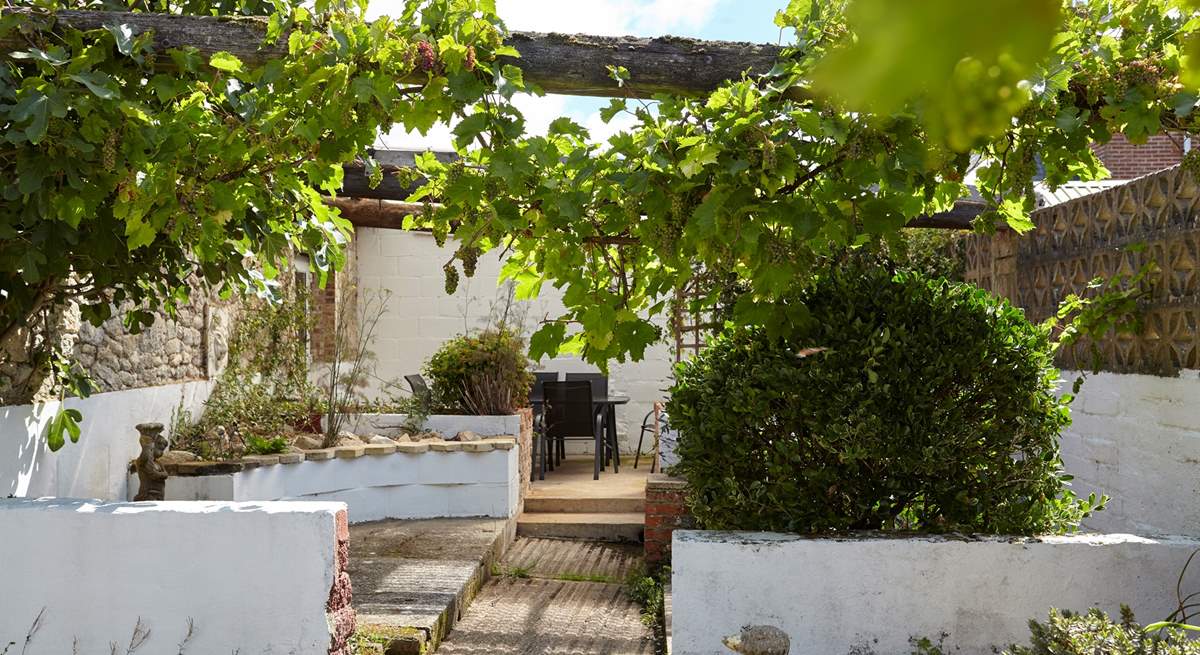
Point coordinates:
[[905, 403], [484, 374]]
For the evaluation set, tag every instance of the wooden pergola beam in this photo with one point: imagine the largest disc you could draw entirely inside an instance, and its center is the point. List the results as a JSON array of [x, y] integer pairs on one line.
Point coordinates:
[[390, 215], [571, 64]]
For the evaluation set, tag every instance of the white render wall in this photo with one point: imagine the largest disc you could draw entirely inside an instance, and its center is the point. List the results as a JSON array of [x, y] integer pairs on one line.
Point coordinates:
[[1137, 439], [96, 466], [253, 578], [374, 487], [869, 596], [420, 317]]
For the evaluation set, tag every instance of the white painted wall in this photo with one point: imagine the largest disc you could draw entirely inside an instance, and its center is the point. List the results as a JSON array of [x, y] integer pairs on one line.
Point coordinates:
[[1137, 439], [96, 466], [254, 578], [870, 595], [420, 317], [374, 487]]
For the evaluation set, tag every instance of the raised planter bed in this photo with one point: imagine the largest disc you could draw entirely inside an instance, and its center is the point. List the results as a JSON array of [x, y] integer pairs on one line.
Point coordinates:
[[401, 481], [871, 594]]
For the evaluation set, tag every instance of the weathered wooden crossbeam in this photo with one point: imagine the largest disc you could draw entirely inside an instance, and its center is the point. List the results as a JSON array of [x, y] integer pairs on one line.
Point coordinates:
[[571, 64]]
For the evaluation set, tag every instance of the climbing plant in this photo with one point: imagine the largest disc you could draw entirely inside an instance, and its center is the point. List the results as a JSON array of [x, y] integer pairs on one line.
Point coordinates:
[[125, 171], [877, 114], [122, 179]]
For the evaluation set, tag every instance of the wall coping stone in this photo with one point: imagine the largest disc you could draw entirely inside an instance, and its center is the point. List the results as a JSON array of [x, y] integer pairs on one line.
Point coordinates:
[[251, 462], [663, 481], [349, 452]]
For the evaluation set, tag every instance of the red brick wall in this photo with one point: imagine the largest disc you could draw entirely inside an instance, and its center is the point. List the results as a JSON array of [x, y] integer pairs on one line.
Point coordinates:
[[339, 288], [342, 619], [666, 511], [1126, 161]]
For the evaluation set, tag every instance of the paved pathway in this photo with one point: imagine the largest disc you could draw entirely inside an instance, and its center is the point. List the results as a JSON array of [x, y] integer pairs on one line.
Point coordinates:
[[555, 597]]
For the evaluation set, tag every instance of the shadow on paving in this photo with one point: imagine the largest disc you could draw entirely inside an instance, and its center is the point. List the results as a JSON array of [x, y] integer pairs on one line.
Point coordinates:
[[538, 616]]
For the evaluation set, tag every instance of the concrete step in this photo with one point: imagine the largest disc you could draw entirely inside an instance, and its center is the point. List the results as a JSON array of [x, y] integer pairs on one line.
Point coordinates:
[[592, 526], [624, 505], [413, 580]]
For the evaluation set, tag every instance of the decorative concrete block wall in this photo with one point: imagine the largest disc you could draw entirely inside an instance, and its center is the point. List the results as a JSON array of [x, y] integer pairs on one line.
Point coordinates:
[[871, 595], [249, 578], [420, 317], [377, 481], [1137, 439]]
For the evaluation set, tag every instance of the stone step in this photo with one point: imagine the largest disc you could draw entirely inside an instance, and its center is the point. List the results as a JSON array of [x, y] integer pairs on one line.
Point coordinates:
[[593, 526], [413, 580], [567, 504]]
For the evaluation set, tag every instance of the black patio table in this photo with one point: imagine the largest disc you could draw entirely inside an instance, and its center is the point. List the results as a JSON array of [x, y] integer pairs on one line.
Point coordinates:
[[608, 405]]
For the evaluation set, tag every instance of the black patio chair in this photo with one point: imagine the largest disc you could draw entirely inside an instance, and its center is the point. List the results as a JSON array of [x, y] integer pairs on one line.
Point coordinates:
[[417, 384], [571, 415], [599, 383], [599, 393], [536, 400]]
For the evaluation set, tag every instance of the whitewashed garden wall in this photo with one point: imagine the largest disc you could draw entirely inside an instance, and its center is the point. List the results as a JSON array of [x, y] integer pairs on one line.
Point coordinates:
[[870, 596], [251, 578], [96, 466], [1137, 439], [421, 317]]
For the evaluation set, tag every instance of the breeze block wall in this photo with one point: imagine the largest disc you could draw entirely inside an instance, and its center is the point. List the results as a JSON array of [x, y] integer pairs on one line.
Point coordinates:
[[666, 511], [1136, 430]]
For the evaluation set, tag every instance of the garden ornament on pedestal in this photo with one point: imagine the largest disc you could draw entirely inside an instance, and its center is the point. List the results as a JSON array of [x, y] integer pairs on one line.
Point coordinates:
[[759, 640], [152, 477]]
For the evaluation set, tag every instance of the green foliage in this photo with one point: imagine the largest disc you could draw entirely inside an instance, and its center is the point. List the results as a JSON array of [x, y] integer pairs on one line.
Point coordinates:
[[265, 446], [647, 591], [1109, 306], [1067, 633], [120, 181], [763, 177], [932, 253], [483, 374], [264, 391], [903, 403]]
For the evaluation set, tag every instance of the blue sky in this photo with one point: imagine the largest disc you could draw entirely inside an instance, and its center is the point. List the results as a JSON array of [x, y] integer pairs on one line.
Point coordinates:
[[731, 20]]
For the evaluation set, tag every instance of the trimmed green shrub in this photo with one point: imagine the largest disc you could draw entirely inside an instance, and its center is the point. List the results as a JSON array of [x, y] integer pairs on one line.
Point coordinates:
[[904, 403], [1066, 633], [483, 374]]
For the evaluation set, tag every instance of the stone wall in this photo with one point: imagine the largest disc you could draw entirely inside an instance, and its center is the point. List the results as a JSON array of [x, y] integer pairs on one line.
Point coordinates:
[[191, 346]]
